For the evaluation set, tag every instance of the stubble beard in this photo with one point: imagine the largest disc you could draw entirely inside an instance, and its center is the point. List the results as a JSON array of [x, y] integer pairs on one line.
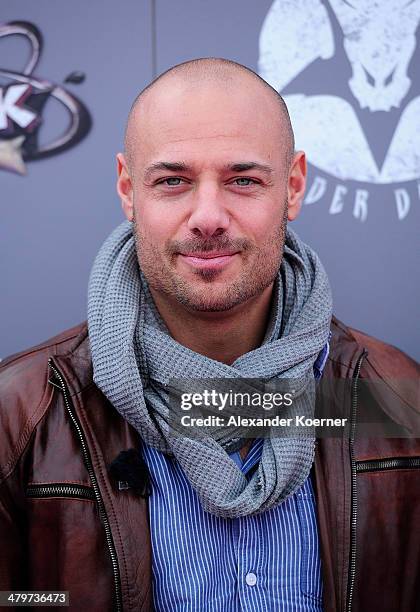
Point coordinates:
[[261, 265]]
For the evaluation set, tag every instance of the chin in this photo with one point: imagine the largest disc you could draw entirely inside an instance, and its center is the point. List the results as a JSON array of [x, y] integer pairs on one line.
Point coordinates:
[[208, 306], [208, 300]]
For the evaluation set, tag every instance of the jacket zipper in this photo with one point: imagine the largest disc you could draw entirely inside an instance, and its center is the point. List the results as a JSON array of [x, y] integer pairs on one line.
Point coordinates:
[[390, 463], [60, 490], [353, 520], [97, 493]]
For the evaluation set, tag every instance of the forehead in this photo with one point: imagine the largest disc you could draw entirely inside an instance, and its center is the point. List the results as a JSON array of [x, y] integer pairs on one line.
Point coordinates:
[[207, 120]]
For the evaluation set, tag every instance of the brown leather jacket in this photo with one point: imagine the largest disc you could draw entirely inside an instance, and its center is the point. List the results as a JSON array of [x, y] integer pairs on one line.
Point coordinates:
[[65, 525]]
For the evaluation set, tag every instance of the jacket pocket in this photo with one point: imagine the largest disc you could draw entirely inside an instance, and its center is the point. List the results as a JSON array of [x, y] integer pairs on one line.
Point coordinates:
[[65, 545], [56, 489], [388, 463]]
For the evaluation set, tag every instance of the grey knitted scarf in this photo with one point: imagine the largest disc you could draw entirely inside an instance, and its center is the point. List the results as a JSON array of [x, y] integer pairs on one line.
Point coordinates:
[[134, 358]]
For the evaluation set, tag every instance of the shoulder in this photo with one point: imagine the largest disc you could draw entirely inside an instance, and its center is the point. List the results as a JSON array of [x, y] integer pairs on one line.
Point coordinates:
[[385, 359], [381, 361], [59, 342], [25, 394]]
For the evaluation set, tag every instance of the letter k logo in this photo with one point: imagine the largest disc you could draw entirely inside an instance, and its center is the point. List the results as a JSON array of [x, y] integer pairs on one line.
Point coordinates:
[[10, 100]]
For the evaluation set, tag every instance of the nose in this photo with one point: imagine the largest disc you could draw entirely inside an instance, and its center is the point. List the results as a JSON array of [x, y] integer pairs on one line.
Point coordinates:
[[209, 216]]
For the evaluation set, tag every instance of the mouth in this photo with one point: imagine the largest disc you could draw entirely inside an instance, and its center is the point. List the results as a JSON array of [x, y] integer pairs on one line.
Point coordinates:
[[209, 260]]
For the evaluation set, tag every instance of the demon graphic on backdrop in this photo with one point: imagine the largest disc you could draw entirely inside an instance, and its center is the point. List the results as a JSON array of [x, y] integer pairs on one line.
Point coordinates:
[[359, 122]]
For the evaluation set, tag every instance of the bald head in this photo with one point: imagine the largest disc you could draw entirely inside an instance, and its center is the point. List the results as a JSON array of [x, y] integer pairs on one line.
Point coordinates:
[[209, 73]]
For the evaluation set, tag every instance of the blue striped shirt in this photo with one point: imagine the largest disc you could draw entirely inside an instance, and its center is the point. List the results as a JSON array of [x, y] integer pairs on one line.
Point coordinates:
[[204, 563]]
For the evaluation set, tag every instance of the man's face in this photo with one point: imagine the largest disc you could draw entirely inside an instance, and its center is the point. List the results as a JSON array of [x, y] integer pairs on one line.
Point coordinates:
[[208, 194]]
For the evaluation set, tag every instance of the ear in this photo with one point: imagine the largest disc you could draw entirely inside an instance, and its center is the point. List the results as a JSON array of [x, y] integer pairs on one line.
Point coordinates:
[[125, 187], [296, 185]]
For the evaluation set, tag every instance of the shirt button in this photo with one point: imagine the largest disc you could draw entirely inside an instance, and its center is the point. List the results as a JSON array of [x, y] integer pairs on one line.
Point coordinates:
[[251, 579]]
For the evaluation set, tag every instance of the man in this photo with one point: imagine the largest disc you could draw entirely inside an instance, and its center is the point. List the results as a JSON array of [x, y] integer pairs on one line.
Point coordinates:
[[98, 496]]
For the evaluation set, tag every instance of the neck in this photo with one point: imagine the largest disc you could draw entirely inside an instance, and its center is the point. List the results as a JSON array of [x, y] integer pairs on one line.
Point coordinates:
[[222, 336]]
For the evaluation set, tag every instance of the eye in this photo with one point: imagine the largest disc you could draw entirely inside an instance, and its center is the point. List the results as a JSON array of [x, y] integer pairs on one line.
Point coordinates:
[[369, 77], [171, 181], [243, 181]]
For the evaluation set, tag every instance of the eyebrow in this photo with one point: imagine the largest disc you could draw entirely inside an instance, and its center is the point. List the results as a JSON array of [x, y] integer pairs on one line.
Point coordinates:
[[245, 166], [182, 167], [171, 166]]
